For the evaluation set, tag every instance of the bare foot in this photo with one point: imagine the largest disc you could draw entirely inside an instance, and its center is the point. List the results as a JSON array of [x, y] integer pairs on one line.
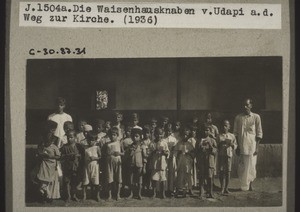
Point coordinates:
[[191, 193], [118, 197], [130, 195], [226, 191], [75, 198], [154, 195], [210, 196], [201, 197]]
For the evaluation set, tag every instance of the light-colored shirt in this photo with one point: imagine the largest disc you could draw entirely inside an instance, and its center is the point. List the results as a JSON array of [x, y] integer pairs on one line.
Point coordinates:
[[137, 127], [60, 119], [81, 139], [226, 149], [192, 141], [246, 129], [100, 136]]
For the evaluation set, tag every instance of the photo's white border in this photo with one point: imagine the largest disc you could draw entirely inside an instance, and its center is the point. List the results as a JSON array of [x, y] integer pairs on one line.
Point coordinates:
[[136, 43]]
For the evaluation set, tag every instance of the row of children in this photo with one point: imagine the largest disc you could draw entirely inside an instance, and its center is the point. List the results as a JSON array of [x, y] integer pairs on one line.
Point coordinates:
[[166, 159]]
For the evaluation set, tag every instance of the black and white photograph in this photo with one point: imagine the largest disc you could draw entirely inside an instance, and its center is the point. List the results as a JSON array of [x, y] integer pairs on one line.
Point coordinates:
[[154, 132]]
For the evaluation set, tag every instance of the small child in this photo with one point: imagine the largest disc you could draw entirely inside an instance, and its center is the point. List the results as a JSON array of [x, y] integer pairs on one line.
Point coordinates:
[[152, 128], [70, 155], [125, 148], [135, 121], [226, 145], [160, 152], [195, 124], [92, 157], [86, 129], [193, 140], [213, 129], [80, 126], [177, 130], [185, 153], [206, 149], [137, 162], [114, 163], [68, 125], [147, 170], [118, 118], [172, 165], [102, 143], [164, 122], [213, 133], [47, 174], [99, 126]]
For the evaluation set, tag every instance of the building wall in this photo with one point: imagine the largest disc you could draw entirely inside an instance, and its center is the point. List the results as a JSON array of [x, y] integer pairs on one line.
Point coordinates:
[[156, 87]]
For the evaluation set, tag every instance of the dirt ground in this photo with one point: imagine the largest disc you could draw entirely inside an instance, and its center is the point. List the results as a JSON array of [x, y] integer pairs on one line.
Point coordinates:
[[267, 192]]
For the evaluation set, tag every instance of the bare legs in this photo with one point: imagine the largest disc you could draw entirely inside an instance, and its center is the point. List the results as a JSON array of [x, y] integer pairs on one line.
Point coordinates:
[[116, 187], [159, 186], [95, 190], [224, 181]]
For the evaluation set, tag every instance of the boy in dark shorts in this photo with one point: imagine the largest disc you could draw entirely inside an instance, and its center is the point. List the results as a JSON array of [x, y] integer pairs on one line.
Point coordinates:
[[70, 165], [206, 149], [137, 162], [226, 145]]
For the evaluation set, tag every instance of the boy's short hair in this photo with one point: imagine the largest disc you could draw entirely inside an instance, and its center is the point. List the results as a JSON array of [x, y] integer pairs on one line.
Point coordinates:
[[61, 101], [208, 115], [193, 128], [146, 129], [185, 128], [154, 120], [68, 125], [157, 130], [117, 113], [135, 116], [92, 135], [112, 131], [100, 122], [248, 99], [169, 127], [165, 118], [136, 131], [128, 127], [81, 121], [50, 125], [226, 120], [71, 131]]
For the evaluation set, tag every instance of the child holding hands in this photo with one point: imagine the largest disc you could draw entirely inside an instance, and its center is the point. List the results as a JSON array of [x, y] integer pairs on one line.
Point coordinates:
[[92, 157], [114, 163], [226, 145], [160, 152], [137, 162], [185, 153], [206, 149], [70, 156]]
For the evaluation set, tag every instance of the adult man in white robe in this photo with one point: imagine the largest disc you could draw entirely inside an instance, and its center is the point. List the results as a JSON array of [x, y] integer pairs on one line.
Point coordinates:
[[248, 131]]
